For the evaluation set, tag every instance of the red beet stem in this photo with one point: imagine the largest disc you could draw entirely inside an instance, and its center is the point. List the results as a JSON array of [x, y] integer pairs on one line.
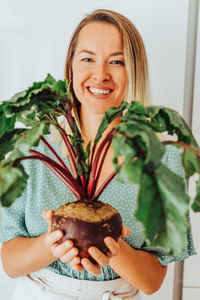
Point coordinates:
[[105, 183], [183, 145], [69, 179], [102, 162], [69, 148], [91, 181], [55, 154]]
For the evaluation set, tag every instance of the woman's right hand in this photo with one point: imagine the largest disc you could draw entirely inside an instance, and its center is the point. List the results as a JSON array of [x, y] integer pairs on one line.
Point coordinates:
[[65, 251]]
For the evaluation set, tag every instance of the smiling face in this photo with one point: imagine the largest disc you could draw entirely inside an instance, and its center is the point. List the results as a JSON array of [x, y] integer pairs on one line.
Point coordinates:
[[99, 74]]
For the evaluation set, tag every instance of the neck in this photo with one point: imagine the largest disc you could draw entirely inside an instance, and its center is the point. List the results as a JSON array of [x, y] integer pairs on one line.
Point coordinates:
[[90, 124]]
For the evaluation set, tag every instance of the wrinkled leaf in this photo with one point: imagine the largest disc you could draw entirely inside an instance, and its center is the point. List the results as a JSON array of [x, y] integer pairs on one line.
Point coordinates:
[[6, 142], [109, 116], [166, 119], [13, 181], [150, 209], [42, 98], [163, 206], [131, 172], [145, 142], [196, 202], [136, 111], [191, 163], [5, 123], [123, 147]]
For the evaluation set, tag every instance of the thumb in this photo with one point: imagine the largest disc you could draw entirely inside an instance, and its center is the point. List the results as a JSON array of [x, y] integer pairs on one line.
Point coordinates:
[[47, 215], [125, 231]]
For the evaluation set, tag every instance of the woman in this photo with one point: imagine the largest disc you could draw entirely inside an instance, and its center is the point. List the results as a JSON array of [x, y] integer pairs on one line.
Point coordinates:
[[106, 64]]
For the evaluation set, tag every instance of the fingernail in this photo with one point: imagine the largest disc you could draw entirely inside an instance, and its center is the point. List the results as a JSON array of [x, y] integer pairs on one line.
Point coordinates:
[[85, 262], [49, 214], [125, 231], [77, 259], [68, 244], [74, 251], [92, 251], [108, 240], [58, 233]]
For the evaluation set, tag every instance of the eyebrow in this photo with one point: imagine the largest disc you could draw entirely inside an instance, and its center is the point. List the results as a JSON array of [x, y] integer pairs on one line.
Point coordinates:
[[93, 53]]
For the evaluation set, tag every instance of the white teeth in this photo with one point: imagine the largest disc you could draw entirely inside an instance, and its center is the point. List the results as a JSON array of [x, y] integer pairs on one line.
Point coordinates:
[[99, 91]]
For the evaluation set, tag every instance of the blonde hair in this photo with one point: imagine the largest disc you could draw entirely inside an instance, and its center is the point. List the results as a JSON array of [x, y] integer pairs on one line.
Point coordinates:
[[138, 87]]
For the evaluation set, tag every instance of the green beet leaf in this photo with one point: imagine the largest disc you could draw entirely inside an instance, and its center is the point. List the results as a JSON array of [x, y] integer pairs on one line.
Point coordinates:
[[163, 209], [12, 174], [36, 102], [166, 119], [191, 163], [7, 143], [145, 141], [131, 172], [175, 208], [5, 123], [109, 116], [13, 182], [149, 209], [196, 202]]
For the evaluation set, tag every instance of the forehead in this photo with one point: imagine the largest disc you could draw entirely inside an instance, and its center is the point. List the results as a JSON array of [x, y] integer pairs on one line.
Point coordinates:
[[98, 35]]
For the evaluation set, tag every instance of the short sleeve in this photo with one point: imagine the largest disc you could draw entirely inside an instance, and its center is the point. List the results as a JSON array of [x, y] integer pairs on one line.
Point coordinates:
[[172, 159], [12, 221], [190, 250]]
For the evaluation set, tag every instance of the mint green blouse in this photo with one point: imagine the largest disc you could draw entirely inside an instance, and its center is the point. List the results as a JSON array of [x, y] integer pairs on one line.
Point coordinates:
[[46, 191]]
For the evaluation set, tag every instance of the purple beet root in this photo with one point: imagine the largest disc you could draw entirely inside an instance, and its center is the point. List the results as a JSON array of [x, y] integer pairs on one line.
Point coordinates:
[[87, 224]]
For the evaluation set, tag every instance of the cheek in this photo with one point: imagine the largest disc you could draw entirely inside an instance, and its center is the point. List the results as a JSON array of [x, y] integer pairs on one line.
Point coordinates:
[[77, 80], [120, 76], [79, 76], [122, 81]]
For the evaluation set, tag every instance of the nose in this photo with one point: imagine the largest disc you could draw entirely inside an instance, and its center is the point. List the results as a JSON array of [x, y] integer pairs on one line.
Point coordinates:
[[101, 73]]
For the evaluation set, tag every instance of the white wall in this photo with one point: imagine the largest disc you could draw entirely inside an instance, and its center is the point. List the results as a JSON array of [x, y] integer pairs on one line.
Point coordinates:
[[34, 35]]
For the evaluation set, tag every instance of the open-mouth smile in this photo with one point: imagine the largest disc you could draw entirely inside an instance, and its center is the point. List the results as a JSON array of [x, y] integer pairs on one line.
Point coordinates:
[[99, 92]]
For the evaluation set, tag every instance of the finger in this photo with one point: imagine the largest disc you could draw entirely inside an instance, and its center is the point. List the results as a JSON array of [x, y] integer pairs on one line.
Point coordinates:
[[75, 263], [78, 267], [61, 249], [125, 231], [53, 237], [99, 256], [112, 245], [90, 267], [70, 255]]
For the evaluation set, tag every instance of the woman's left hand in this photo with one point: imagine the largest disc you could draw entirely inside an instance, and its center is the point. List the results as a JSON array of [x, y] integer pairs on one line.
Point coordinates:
[[100, 258]]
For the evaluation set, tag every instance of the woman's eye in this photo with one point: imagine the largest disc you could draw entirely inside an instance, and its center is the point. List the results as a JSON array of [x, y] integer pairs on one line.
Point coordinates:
[[87, 59], [117, 62]]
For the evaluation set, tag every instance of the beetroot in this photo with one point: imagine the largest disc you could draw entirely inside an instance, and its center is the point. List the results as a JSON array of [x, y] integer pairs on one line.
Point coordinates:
[[87, 223]]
